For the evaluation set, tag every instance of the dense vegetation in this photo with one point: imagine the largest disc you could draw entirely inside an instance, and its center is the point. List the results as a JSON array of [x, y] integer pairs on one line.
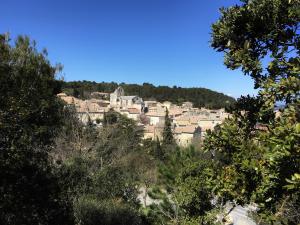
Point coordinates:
[[30, 117], [200, 97], [251, 164], [56, 170]]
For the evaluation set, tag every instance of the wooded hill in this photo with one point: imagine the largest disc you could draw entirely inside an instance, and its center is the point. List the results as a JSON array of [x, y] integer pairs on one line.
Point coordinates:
[[201, 97]]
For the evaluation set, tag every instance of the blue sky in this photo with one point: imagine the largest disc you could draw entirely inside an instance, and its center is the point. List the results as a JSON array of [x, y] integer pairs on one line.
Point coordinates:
[[164, 42]]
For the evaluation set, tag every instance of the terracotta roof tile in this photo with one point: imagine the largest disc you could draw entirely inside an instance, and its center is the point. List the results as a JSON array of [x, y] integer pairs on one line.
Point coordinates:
[[155, 114], [133, 111]]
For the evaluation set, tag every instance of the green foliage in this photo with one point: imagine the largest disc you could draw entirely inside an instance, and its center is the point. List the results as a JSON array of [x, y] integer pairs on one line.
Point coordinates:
[[170, 190], [105, 170], [78, 176], [90, 211], [249, 32], [252, 157], [255, 156], [167, 134], [28, 95], [154, 148], [110, 118], [119, 137], [30, 186], [194, 195], [201, 97], [262, 38]]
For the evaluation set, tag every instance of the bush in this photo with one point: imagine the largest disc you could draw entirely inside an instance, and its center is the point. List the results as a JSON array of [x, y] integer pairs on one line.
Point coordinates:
[[91, 211]]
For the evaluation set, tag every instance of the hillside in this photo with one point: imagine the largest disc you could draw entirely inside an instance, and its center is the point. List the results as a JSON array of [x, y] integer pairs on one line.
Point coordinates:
[[201, 97]]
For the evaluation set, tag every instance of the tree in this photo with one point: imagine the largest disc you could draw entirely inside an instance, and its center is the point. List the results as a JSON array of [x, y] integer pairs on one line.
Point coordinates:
[[201, 97], [168, 138], [263, 30], [256, 155], [30, 188], [105, 170], [194, 194], [262, 38], [170, 191], [90, 211], [119, 137]]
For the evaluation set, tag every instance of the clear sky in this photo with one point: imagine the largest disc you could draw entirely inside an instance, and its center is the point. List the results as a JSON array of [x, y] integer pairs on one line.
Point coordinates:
[[164, 42]]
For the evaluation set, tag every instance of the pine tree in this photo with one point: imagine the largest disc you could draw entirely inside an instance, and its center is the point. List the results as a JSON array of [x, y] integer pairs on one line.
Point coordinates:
[[167, 132], [159, 153], [30, 116]]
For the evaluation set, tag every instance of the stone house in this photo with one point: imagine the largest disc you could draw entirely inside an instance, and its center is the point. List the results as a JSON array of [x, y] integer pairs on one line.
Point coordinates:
[[209, 123], [150, 104], [185, 136], [119, 100], [156, 118], [153, 132], [131, 113], [90, 110]]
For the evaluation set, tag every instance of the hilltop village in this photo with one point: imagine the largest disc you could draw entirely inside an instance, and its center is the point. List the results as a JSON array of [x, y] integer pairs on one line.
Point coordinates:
[[189, 124]]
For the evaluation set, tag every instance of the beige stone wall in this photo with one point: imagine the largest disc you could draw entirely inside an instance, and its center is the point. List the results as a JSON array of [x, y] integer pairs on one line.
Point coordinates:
[[184, 139], [154, 120], [113, 100], [133, 116], [126, 103], [137, 106]]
